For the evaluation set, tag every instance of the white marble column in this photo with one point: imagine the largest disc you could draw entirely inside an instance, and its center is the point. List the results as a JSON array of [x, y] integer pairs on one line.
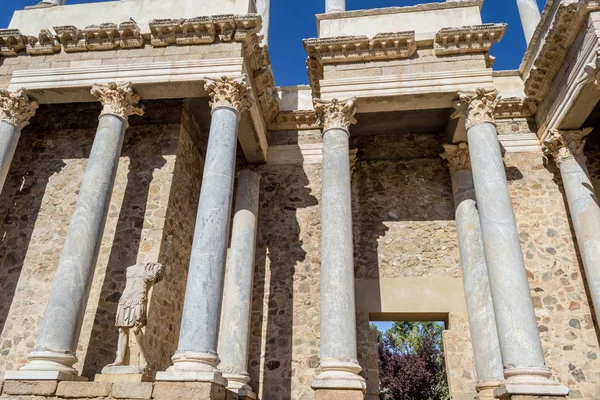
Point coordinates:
[[263, 7], [54, 354], [339, 365], [196, 358], [482, 322], [335, 6], [55, 2], [525, 371], [566, 147], [15, 112], [530, 17], [237, 302]]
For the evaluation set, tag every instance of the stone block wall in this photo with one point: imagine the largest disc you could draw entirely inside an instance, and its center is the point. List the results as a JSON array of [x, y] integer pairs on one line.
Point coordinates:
[[156, 188]]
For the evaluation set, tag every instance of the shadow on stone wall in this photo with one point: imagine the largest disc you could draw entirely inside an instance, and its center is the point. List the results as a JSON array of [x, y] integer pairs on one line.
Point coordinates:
[[281, 265]]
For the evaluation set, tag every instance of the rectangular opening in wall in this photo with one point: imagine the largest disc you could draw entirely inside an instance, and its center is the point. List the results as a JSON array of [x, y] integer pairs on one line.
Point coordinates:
[[411, 360]]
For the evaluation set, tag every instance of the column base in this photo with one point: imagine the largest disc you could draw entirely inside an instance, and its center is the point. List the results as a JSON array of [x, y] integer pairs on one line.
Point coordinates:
[[336, 394], [193, 367], [340, 375], [47, 366], [529, 382], [485, 389], [238, 383]]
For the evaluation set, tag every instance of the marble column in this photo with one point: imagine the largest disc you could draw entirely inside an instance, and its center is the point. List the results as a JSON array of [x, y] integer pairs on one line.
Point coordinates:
[[335, 6], [263, 7], [237, 302], [196, 358], [55, 2], [530, 17], [15, 112], [54, 353], [339, 365], [520, 344], [482, 323], [566, 147]]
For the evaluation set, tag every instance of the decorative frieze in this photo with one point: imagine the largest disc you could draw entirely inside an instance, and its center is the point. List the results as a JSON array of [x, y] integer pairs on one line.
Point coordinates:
[[335, 114], [347, 49], [476, 107], [515, 107], [118, 100], [468, 39], [562, 145], [569, 18], [45, 43], [11, 42], [295, 120], [228, 92], [457, 157], [16, 108]]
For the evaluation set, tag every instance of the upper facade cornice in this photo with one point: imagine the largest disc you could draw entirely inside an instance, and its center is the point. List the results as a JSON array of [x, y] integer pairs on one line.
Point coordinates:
[[468, 39]]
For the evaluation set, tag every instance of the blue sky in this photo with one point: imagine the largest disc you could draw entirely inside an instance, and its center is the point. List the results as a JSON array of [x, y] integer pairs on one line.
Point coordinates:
[[294, 20]]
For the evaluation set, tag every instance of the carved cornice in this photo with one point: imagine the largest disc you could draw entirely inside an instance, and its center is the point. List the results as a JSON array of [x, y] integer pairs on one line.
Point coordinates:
[[335, 114], [348, 49], [568, 20], [457, 157], [16, 108], [476, 107], [11, 42], [468, 39], [44, 43], [295, 120], [118, 100], [562, 145], [228, 92], [515, 107]]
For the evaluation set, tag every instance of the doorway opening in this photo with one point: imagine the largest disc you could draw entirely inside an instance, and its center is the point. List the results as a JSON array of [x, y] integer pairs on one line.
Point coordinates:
[[411, 359]]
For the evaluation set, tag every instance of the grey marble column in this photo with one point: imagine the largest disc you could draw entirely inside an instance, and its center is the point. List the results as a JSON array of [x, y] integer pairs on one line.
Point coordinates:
[[335, 6], [54, 353], [15, 112], [263, 7], [522, 354], [482, 322], [237, 302], [530, 17], [196, 358], [339, 363], [566, 147]]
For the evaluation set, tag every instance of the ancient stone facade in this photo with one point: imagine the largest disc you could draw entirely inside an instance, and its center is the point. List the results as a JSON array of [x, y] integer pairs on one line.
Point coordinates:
[[163, 139]]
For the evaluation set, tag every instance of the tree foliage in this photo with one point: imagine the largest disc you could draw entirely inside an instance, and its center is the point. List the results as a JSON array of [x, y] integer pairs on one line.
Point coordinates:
[[411, 362]]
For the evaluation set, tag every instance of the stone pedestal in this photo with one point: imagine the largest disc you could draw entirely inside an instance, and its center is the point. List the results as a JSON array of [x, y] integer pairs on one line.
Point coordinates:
[[54, 354], [482, 322], [520, 344], [189, 391], [324, 394], [15, 112], [339, 365], [196, 358], [125, 377]]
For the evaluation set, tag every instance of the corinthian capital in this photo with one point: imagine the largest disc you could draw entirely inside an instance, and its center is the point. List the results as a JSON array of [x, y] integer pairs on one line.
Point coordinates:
[[457, 156], [335, 114], [228, 92], [16, 108], [476, 107], [118, 100], [562, 145]]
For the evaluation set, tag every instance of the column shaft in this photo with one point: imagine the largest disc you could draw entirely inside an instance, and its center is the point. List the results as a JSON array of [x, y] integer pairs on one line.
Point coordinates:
[[9, 138], [530, 17], [482, 323], [263, 7], [237, 303], [517, 327], [59, 332], [335, 6], [585, 214]]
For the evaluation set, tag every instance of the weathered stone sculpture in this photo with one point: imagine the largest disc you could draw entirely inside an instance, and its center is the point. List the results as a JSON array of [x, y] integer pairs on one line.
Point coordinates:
[[131, 315]]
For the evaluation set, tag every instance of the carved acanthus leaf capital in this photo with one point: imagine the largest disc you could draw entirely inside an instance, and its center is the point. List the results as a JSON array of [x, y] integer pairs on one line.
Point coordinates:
[[457, 156], [562, 145], [335, 114], [228, 92], [476, 107], [119, 100], [16, 108]]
